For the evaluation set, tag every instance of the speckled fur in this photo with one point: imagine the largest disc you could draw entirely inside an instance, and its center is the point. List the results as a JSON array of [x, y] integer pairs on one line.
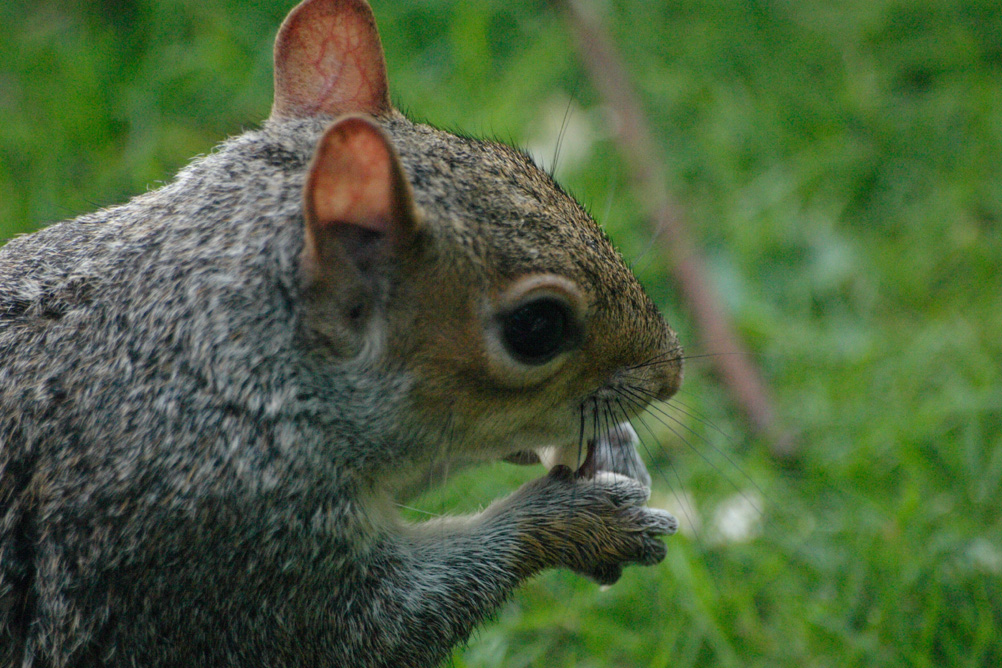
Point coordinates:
[[187, 477]]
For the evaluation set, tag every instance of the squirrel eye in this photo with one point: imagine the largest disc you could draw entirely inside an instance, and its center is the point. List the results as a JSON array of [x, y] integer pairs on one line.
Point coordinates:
[[536, 331]]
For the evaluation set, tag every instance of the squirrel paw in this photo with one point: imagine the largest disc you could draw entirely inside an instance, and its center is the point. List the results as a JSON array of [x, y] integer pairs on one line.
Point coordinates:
[[598, 525]]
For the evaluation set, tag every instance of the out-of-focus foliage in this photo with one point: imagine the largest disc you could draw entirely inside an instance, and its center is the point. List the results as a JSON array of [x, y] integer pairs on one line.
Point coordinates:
[[842, 165]]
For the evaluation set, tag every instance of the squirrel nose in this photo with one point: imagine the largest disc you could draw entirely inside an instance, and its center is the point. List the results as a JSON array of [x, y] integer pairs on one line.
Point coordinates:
[[670, 381], [669, 372]]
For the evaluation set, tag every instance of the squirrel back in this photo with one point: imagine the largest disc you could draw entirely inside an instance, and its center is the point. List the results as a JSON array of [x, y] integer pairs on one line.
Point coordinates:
[[210, 395]]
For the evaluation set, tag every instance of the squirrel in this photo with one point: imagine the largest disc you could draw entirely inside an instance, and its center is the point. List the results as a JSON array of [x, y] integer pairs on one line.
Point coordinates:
[[212, 395]]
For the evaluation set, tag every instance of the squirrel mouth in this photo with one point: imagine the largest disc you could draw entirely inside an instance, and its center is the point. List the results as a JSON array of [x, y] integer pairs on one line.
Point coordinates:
[[614, 451]]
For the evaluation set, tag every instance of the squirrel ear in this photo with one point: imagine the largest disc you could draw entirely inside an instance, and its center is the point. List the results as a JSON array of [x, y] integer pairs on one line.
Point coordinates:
[[329, 60], [357, 201]]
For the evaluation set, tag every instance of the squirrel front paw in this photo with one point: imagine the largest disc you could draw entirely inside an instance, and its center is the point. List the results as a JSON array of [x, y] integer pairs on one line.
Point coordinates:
[[594, 526]]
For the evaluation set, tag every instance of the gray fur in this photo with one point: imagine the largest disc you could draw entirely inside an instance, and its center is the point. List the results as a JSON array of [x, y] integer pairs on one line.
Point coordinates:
[[188, 478]]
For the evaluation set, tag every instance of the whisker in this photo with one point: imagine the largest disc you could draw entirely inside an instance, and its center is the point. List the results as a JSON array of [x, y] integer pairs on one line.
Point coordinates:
[[448, 433], [673, 356], [656, 414], [626, 418], [419, 510], [651, 403], [607, 428], [594, 421], [655, 405], [687, 509], [663, 358], [560, 135], [691, 412], [610, 198], [439, 463], [626, 462], [718, 354]]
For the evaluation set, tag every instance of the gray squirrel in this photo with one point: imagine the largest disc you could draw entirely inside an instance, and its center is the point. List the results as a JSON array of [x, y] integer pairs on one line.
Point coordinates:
[[212, 395]]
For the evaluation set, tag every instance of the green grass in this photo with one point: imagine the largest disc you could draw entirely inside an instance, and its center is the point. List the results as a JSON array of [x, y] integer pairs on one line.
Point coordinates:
[[842, 166]]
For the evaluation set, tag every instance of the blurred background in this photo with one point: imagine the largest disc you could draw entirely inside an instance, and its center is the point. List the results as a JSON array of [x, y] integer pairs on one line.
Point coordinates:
[[840, 167]]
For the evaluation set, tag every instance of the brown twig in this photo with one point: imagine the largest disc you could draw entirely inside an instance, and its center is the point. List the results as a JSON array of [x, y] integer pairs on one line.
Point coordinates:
[[632, 131]]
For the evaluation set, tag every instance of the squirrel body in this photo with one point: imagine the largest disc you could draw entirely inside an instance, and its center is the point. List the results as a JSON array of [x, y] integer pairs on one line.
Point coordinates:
[[211, 395]]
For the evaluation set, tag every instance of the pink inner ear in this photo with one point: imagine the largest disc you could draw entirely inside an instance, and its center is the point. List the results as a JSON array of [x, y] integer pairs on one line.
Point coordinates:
[[328, 60], [352, 181]]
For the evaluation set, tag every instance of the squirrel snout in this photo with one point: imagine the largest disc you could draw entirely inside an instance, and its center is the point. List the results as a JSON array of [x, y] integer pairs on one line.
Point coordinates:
[[667, 376], [669, 383]]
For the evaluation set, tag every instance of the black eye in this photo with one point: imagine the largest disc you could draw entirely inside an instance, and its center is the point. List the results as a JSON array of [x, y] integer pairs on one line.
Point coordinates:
[[536, 331]]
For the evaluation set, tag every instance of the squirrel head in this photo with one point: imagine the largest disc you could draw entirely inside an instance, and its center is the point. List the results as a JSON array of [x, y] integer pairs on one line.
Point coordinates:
[[457, 263]]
